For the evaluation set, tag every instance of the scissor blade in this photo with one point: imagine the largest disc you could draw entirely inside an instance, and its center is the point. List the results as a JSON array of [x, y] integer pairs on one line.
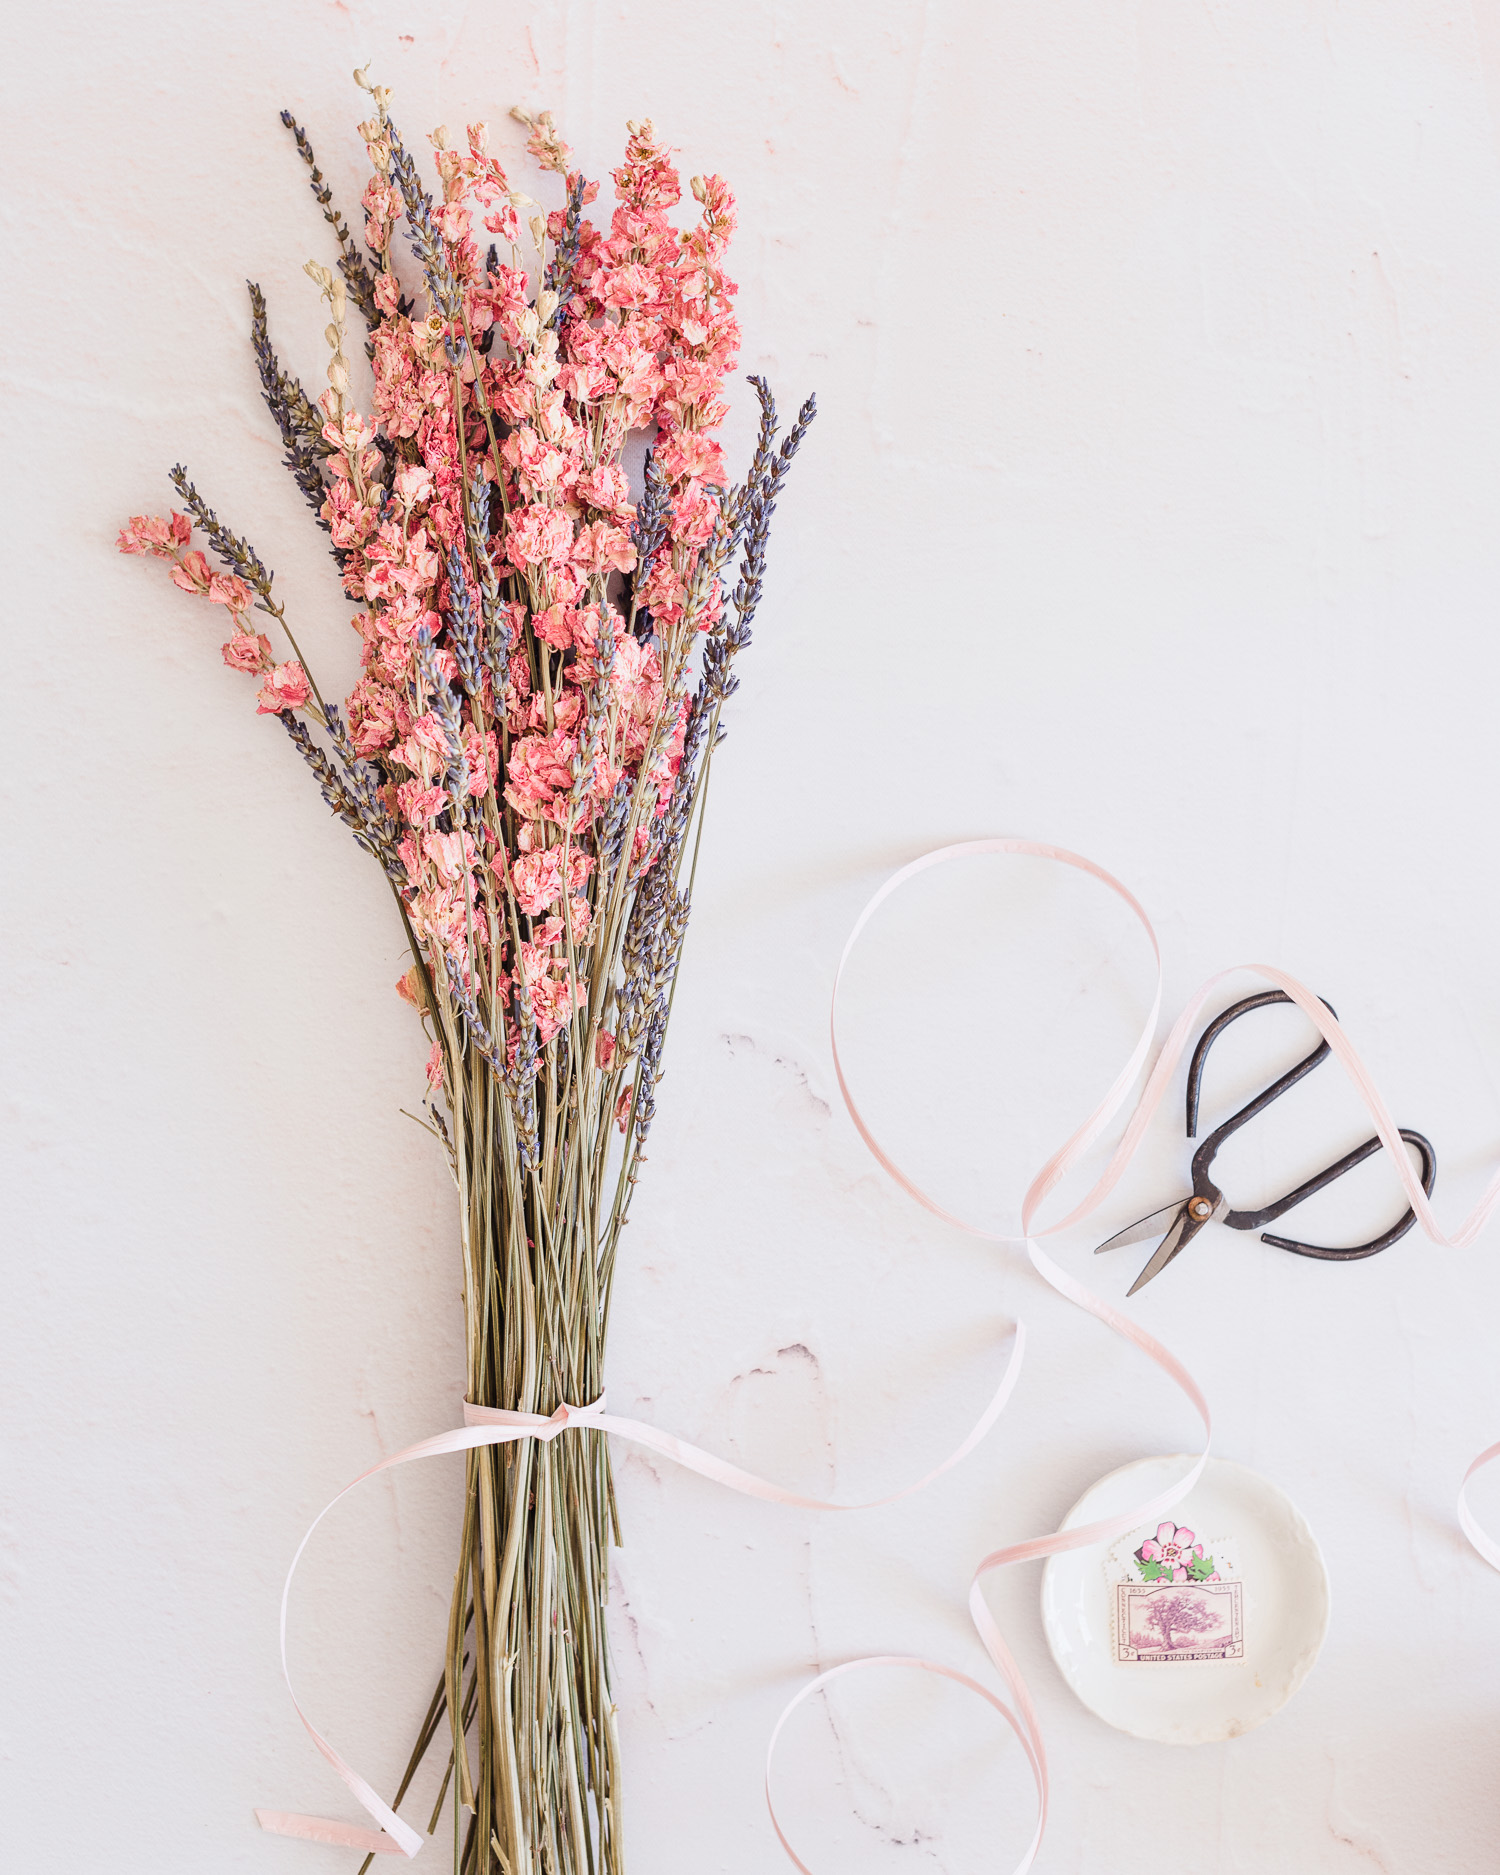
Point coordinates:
[[1182, 1233], [1151, 1225]]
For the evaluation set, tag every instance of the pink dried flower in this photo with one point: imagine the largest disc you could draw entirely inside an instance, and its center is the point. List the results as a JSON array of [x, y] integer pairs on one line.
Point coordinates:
[[553, 1000], [482, 753], [413, 484], [544, 142], [690, 456], [540, 771], [151, 534], [229, 590], [537, 535], [419, 804], [537, 877], [552, 626], [286, 688], [602, 548], [453, 855], [191, 572], [372, 716], [248, 652]]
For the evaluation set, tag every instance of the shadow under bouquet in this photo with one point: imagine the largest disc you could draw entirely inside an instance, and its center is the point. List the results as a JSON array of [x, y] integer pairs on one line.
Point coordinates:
[[546, 656]]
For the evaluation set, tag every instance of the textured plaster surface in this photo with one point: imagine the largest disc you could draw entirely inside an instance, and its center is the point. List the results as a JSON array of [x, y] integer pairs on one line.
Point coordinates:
[[1152, 511]]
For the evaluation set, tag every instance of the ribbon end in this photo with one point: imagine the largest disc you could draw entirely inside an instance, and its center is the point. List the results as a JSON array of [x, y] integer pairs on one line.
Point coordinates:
[[340, 1835]]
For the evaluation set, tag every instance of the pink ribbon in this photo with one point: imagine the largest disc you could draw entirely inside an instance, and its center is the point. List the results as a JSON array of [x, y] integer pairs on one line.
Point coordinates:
[[494, 1426], [1488, 1548], [1021, 1715], [490, 1425]]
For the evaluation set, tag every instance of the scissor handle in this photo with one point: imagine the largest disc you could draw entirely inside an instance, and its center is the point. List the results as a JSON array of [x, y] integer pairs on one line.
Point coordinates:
[[1203, 1158], [1350, 1159], [1267, 1214]]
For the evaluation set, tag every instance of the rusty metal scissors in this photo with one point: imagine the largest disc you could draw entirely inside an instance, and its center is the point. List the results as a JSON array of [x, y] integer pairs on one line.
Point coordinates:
[[1178, 1223]]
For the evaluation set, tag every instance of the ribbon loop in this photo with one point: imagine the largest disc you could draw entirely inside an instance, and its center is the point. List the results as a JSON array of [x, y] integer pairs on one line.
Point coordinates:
[[1488, 1548]]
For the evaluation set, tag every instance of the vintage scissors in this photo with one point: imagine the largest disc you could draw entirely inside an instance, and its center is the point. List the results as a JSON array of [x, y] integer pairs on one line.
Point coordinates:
[[1177, 1224]]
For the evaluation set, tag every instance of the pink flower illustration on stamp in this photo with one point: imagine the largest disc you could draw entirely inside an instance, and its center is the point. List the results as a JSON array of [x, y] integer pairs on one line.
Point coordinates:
[[1175, 1555]]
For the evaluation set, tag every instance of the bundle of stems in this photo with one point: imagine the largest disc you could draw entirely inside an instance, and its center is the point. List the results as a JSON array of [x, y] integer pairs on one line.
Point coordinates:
[[546, 658]]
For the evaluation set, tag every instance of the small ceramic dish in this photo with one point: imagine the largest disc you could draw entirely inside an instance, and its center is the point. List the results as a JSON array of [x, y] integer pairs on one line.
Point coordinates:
[[1199, 1626]]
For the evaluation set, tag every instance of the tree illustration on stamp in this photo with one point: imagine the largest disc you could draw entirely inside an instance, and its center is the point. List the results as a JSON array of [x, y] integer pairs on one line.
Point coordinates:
[[1180, 1614]]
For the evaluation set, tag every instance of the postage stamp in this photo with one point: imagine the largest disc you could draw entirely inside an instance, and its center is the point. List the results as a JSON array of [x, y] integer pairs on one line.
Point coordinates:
[[1163, 1621], [1177, 1602]]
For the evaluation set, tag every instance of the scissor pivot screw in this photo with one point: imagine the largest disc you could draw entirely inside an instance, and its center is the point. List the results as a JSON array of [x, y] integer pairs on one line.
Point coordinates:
[[1200, 1208]]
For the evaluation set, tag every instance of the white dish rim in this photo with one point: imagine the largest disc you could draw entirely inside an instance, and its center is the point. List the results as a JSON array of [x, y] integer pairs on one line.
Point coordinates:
[[1055, 1564]]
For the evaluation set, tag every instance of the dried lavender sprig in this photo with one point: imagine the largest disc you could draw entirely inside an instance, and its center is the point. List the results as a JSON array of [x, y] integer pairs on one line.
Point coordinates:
[[426, 242], [648, 530], [653, 944], [590, 748], [237, 554], [686, 782], [650, 1074], [734, 509], [495, 653], [761, 506], [474, 1023], [351, 261], [754, 505], [518, 1085], [445, 708], [295, 416], [714, 684], [558, 276], [657, 922], [494, 646], [338, 797], [528, 1066], [609, 840], [674, 822], [463, 627], [718, 681], [363, 779], [770, 423]]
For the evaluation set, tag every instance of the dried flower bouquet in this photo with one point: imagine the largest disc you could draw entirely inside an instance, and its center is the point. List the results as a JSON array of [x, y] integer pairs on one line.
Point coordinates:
[[526, 755]]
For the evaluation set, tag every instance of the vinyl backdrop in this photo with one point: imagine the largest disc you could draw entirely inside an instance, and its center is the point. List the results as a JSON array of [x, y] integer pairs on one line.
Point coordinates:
[[1152, 511]]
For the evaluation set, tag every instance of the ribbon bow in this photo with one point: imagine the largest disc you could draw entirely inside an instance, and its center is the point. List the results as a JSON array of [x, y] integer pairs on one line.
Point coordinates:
[[545, 1428]]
